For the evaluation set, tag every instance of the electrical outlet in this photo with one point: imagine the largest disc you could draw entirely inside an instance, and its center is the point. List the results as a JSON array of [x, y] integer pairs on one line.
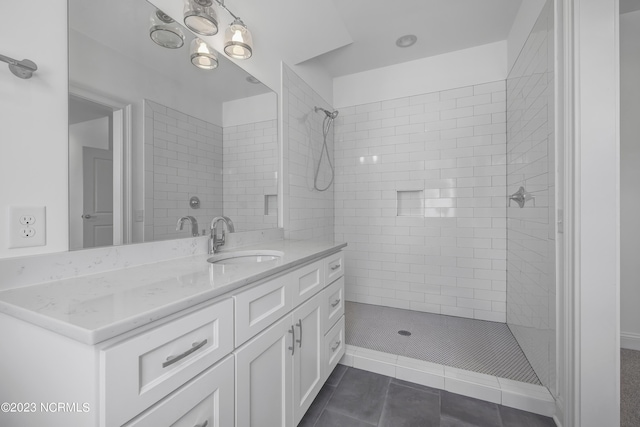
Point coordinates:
[[27, 232], [27, 226], [27, 219]]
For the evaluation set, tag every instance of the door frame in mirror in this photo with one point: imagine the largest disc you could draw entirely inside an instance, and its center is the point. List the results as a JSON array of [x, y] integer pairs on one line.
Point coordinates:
[[122, 169]]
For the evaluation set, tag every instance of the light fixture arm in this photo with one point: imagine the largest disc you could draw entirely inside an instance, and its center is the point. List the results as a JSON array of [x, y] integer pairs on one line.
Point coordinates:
[[222, 5]]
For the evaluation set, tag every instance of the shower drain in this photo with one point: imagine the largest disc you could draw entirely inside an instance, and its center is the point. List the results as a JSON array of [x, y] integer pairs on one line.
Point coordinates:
[[405, 333]]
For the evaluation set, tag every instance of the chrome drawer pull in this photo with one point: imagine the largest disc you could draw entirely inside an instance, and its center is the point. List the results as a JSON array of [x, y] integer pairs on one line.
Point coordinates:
[[299, 325], [173, 359], [204, 424], [335, 267], [333, 349], [293, 341], [335, 303]]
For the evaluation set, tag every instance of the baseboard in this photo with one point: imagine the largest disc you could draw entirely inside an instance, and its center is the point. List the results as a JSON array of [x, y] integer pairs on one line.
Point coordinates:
[[630, 341]]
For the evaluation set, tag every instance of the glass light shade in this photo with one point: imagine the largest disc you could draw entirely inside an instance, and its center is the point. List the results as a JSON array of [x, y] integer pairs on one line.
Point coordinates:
[[203, 56], [165, 32], [200, 17], [238, 43]]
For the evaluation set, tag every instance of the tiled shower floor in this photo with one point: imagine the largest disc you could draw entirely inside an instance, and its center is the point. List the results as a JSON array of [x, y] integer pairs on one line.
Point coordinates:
[[473, 345]]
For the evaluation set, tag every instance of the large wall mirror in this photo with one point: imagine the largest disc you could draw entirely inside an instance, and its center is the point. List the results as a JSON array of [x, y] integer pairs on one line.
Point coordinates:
[[152, 138]]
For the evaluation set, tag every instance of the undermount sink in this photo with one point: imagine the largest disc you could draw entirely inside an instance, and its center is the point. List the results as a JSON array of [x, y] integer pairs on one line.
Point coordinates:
[[245, 257]]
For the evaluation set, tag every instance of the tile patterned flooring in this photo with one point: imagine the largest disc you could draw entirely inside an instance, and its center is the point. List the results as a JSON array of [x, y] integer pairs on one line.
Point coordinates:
[[356, 398], [469, 344]]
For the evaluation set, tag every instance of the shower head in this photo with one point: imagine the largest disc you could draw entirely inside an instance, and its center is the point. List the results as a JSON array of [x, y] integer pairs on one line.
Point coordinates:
[[331, 114]]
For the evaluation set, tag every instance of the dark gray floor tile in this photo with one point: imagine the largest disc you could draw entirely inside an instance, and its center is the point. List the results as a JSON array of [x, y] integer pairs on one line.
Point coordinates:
[[336, 375], [334, 419], [360, 394], [416, 386], [515, 418], [410, 407], [314, 411], [474, 412], [450, 422]]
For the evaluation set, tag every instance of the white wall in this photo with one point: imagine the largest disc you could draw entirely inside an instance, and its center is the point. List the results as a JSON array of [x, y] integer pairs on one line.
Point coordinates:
[[307, 213], [253, 109], [468, 67], [183, 158], [32, 112], [531, 242], [630, 179], [446, 254], [597, 217], [521, 28]]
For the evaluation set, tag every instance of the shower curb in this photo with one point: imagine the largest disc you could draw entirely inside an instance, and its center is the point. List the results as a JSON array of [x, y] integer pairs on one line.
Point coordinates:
[[515, 394]]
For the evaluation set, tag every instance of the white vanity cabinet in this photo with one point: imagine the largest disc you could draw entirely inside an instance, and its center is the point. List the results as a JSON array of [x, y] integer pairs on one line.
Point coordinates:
[[280, 371], [257, 356]]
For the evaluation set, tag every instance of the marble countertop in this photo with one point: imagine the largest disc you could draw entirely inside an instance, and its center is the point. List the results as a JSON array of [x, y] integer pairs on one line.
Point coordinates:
[[97, 307]]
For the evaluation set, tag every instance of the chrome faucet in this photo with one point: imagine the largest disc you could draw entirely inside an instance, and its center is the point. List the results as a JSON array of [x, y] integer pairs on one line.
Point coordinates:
[[192, 221], [214, 241]]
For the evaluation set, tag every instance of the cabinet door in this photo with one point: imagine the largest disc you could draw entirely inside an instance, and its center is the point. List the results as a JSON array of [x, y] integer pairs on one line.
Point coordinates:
[[260, 306], [307, 366], [263, 378]]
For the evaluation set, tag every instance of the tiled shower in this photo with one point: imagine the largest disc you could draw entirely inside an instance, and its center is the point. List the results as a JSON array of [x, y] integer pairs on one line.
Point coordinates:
[[421, 196]]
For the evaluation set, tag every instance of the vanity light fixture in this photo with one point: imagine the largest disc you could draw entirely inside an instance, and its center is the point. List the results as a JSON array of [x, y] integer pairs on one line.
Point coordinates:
[[164, 31], [200, 17], [203, 56], [238, 42]]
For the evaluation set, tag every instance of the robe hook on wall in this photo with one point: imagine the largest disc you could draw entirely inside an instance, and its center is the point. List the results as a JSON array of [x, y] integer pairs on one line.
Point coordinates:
[[23, 69]]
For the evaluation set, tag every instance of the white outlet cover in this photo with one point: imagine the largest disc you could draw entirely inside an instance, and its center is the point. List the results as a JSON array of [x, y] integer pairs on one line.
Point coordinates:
[[17, 230]]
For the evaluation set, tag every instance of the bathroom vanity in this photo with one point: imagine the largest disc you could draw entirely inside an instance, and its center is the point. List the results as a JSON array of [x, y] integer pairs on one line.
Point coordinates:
[[185, 342]]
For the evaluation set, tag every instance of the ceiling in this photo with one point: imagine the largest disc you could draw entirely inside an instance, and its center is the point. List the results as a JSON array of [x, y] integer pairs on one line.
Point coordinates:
[[627, 6], [441, 26]]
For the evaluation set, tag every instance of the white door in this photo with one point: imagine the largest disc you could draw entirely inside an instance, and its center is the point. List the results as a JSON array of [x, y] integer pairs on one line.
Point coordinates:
[[263, 378], [308, 375], [97, 197]]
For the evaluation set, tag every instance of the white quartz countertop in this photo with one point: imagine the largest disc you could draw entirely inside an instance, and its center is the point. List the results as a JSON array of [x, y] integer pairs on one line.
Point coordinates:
[[97, 307]]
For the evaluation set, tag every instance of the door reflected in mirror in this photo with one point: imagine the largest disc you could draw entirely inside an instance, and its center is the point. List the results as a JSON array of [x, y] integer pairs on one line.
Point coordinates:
[[148, 131]]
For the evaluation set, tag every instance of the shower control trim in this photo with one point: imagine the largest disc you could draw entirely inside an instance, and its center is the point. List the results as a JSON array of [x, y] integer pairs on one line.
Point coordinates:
[[521, 197]]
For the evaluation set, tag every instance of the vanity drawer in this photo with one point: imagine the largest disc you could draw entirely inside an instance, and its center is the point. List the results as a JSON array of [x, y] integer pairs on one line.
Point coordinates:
[[334, 346], [334, 266], [307, 281], [208, 400], [259, 307], [333, 303], [138, 372]]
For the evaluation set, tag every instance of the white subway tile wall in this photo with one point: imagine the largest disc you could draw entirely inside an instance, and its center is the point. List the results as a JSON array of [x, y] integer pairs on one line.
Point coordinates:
[[531, 230], [183, 158], [308, 213], [250, 165], [449, 148]]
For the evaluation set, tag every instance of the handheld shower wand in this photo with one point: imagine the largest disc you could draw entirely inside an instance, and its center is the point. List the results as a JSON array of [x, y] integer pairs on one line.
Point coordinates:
[[326, 124]]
